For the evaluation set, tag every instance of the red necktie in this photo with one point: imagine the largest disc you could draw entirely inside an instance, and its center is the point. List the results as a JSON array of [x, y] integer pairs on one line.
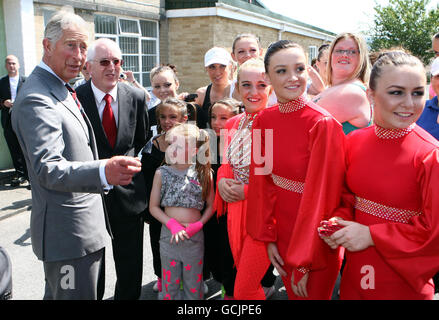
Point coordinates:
[[73, 93], [109, 121]]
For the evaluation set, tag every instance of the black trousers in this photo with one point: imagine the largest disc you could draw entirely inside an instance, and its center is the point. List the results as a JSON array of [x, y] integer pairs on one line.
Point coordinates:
[[14, 146], [155, 228], [218, 258], [128, 256]]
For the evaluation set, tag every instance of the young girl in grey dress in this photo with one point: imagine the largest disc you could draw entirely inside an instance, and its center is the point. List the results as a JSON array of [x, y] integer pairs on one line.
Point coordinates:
[[183, 188]]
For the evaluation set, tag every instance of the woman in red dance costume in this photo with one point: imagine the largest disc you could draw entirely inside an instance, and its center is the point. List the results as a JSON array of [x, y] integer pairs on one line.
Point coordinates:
[[250, 256], [392, 174], [296, 178]]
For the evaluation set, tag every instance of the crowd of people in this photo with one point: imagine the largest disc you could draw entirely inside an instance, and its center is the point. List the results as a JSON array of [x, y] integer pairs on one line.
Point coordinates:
[[316, 171]]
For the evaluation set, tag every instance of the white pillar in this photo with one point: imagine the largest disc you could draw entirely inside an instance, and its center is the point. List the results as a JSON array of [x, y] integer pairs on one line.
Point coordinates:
[[20, 32]]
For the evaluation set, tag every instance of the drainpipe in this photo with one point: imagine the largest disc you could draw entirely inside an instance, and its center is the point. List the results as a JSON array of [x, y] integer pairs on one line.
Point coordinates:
[[280, 31]]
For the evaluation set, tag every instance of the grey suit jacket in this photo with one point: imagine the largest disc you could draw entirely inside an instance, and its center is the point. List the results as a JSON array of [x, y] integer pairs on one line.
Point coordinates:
[[67, 219]]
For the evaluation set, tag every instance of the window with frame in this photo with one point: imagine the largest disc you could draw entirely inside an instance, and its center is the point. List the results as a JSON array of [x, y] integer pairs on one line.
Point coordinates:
[[137, 39], [312, 52]]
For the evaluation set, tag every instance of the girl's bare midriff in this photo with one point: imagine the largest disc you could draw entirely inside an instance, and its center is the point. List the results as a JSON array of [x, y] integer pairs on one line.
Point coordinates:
[[183, 215]]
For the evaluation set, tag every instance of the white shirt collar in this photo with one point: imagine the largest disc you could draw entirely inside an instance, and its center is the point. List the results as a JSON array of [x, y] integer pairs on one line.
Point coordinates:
[[99, 94]]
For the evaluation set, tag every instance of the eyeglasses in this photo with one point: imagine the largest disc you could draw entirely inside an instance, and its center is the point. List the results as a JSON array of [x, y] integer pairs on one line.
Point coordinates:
[[106, 62], [346, 52]]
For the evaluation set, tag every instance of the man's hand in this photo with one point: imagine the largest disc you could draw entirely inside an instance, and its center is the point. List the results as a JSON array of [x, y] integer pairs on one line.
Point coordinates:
[[119, 170], [8, 103]]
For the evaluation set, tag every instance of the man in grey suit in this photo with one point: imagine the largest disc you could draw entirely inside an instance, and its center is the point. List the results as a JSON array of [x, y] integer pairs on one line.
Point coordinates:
[[68, 221]]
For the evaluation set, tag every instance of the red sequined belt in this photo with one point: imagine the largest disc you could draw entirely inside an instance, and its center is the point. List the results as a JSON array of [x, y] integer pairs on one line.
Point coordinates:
[[385, 212], [287, 184]]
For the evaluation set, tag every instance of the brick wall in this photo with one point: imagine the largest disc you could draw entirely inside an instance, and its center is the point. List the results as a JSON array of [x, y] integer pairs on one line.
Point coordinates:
[[189, 39]]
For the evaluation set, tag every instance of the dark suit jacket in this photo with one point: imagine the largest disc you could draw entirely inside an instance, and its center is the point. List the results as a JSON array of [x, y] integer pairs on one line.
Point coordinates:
[[132, 132], [5, 94]]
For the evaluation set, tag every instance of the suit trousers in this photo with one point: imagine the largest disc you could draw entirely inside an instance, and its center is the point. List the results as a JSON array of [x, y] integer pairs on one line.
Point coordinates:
[[128, 255], [76, 279]]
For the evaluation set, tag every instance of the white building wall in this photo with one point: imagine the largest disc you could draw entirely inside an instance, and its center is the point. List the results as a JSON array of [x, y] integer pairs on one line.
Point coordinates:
[[20, 32]]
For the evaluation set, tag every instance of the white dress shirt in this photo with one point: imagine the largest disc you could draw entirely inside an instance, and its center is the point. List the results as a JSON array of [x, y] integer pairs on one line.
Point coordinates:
[[100, 102], [13, 84]]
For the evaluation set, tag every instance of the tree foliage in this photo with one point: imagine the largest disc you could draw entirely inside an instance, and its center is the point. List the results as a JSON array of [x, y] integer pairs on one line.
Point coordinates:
[[407, 24]]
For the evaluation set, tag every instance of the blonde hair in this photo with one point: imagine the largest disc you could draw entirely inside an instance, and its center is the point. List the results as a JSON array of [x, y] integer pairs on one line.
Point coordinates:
[[362, 71], [201, 138], [253, 63]]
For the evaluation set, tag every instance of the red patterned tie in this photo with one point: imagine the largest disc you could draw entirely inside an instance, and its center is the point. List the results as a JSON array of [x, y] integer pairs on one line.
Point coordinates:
[[109, 121], [73, 93]]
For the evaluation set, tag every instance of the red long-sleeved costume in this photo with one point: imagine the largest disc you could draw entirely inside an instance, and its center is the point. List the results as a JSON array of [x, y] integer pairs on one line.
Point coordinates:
[[302, 187], [393, 177], [250, 256]]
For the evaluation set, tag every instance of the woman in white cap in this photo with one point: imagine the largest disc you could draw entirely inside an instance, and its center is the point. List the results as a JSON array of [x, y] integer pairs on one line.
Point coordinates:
[[217, 62], [429, 119]]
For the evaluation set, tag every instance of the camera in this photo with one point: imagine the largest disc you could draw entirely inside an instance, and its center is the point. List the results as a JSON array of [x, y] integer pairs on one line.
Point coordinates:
[[191, 97], [123, 76]]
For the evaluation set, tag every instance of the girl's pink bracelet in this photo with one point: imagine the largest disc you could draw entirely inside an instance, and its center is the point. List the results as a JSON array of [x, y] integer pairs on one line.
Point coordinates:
[[193, 228], [174, 226]]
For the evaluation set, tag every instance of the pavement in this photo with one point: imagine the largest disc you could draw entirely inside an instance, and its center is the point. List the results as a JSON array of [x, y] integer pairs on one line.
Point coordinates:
[[13, 200], [27, 270]]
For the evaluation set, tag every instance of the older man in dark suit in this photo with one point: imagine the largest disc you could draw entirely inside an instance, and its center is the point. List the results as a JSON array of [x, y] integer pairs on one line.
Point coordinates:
[[9, 87], [117, 112], [68, 221]]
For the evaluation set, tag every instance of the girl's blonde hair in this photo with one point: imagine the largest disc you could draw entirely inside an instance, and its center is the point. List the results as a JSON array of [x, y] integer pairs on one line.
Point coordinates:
[[253, 63], [362, 71], [202, 164], [170, 102]]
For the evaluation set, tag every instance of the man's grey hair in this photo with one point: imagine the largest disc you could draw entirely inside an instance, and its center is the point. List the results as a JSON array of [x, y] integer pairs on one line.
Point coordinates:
[[91, 53], [60, 22]]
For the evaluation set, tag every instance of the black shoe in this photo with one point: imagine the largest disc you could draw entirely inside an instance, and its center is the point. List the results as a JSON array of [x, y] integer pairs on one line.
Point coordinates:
[[15, 182], [18, 181]]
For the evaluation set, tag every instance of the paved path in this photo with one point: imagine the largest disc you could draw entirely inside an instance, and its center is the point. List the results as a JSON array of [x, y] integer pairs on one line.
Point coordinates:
[[27, 272]]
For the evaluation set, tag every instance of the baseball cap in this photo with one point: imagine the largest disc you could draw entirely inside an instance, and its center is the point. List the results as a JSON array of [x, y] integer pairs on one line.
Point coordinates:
[[435, 67], [217, 55]]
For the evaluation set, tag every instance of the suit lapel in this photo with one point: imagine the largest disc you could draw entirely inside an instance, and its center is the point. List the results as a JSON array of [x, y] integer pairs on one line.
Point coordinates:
[[125, 100], [93, 145], [20, 82], [8, 87], [89, 103], [60, 92]]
